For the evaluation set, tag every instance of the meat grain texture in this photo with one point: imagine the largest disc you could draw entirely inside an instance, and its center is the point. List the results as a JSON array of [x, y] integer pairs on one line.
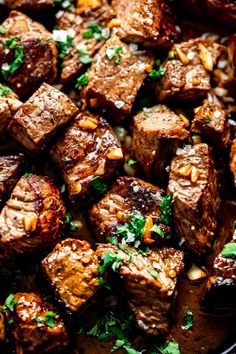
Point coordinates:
[[9, 172]]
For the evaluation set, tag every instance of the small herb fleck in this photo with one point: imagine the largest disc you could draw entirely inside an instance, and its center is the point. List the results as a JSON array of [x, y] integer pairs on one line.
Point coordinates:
[[82, 54], [229, 250], [97, 184], [2, 30], [82, 81], [110, 260], [10, 302], [115, 54], [153, 272], [208, 119], [131, 162], [4, 90], [156, 74], [48, 319], [188, 320]]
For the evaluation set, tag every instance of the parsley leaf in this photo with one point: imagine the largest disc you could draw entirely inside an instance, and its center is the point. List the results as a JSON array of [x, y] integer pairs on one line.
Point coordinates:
[[156, 73], [82, 54], [110, 260], [95, 31], [98, 185], [158, 231], [8, 69], [188, 320], [82, 81], [10, 302], [133, 230], [229, 250], [114, 53], [153, 272], [208, 119], [166, 209], [4, 90], [131, 162], [2, 30], [48, 319], [68, 221], [168, 348], [64, 47]]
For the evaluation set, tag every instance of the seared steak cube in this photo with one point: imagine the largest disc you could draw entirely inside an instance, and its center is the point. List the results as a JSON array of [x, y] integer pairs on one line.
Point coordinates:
[[88, 21], [33, 217], [130, 210], [9, 172], [211, 121], [187, 74], [71, 270], [29, 5], [28, 55], [116, 75], [156, 30], [157, 132], [41, 116], [9, 104], [231, 72], [150, 283], [195, 192], [36, 327], [88, 149], [233, 160]]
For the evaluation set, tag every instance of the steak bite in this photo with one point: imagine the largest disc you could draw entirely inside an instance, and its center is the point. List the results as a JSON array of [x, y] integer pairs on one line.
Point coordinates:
[[9, 104], [41, 116], [71, 269], [157, 132], [88, 21], [211, 121], [28, 55], [150, 283], [33, 217], [156, 30], [196, 200], [130, 211], [116, 75], [29, 5], [233, 161], [88, 149], [36, 327], [9, 172], [187, 75]]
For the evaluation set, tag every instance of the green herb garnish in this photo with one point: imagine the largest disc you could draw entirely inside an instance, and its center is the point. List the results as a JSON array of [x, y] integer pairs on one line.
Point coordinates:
[[132, 230], [10, 302], [94, 31], [171, 54], [152, 272], [168, 348], [114, 53], [188, 320], [131, 162], [68, 221], [64, 47], [4, 90], [110, 260], [9, 69], [97, 184], [229, 250], [2, 30], [82, 81], [156, 73], [208, 119], [166, 209], [27, 174], [48, 319], [158, 231], [82, 54]]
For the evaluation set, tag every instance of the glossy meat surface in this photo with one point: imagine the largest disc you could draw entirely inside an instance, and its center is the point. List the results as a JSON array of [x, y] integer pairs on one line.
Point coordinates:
[[9, 104], [233, 160], [196, 199], [71, 269], [30, 329], [41, 116], [9, 172], [88, 149], [29, 5], [32, 218], [115, 82]]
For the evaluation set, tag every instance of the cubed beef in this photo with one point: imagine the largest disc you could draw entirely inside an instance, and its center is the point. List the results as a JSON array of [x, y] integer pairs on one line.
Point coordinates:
[[9, 104], [130, 203], [116, 75], [233, 160], [187, 74], [196, 201], [211, 121], [36, 327], [231, 72], [32, 218], [9, 172], [88, 23], [88, 149], [29, 5], [222, 12], [2, 328], [156, 30], [150, 283], [71, 270], [28, 55], [157, 132], [41, 116]]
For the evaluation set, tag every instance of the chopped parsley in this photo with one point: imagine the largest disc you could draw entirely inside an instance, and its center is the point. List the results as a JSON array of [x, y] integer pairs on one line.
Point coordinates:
[[95, 31], [156, 74], [229, 250], [82, 81], [169, 347], [166, 209], [125, 248], [188, 320], [66, 159], [131, 162], [208, 119], [2, 30], [48, 319], [69, 222], [10, 302], [97, 184], [103, 282], [110, 260], [171, 54], [4, 90], [9, 69], [65, 4], [115, 54], [82, 54], [64, 47], [234, 224], [132, 231], [27, 174], [152, 272], [158, 231]]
